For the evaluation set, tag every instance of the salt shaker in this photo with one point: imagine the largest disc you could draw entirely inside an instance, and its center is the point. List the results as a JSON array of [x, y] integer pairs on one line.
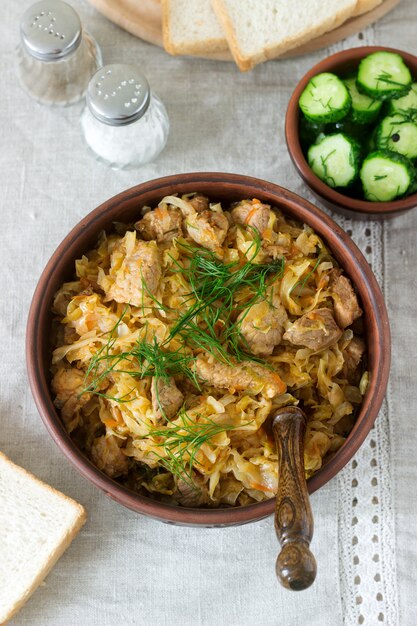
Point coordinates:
[[124, 123], [56, 57]]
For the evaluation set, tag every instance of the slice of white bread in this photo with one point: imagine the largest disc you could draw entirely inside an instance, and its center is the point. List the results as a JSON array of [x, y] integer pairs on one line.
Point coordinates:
[[258, 30], [37, 524], [363, 6], [191, 27]]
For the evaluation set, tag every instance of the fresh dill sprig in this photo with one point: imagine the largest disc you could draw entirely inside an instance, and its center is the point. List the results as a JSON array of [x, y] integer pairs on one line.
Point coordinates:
[[181, 443], [210, 321], [329, 179], [147, 359], [386, 77], [97, 371], [153, 360]]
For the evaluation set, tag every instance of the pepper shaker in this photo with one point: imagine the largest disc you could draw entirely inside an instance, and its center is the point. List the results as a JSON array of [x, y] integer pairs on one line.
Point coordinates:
[[124, 123], [56, 57]]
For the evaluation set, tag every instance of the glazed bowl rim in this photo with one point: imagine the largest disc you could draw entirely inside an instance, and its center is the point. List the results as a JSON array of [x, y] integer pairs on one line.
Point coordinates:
[[244, 186]]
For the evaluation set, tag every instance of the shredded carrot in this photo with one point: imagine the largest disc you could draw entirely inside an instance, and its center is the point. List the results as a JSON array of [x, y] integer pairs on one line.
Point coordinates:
[[259, 487], [250, 214], [161, 212], [280, 382], [110, 422]]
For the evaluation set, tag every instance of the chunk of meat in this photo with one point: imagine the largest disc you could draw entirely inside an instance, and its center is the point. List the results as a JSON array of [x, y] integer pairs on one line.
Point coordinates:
[[67, 385], [353, 354], [108, 457], [262, 326], [135, 271], [162, 224], [191, 493], [166, 398], [245, 376], [316, 330], [252, 213], [199, 203], [208, 229], [346, 306]]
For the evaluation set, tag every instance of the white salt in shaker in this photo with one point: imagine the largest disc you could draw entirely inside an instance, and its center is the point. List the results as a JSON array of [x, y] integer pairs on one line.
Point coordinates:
[[56, 57], [124, 123]]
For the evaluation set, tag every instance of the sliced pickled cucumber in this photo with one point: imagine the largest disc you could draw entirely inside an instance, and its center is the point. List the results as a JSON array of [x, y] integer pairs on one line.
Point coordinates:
[[406, 104], [335, 159], [386, 176], [384, 75], [365, 110], [325, 99], [399, 134]]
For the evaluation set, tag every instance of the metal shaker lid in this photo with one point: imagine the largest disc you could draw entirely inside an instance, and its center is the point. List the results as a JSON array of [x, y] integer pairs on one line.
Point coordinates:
[[118, 94], [50, 30]]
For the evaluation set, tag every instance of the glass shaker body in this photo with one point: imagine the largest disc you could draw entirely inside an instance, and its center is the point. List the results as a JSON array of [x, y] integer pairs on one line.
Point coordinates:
[[56, 58], [124, 124]]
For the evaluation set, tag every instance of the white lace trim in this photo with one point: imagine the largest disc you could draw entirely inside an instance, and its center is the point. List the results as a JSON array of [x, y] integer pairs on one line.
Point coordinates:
[[367, 563]]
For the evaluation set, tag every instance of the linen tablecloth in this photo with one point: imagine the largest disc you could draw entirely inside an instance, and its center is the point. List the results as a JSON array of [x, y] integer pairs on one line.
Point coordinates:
[[124, 568]]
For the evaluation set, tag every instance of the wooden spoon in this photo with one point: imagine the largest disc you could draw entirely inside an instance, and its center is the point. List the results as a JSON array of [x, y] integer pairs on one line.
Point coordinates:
[[296, 566]]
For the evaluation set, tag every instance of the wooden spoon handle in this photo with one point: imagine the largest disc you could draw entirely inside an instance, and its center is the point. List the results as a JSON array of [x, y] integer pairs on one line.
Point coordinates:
[[296, 566]]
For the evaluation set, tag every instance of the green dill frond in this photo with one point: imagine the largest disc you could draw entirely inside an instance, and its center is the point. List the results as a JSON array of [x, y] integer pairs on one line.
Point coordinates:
[[181, 443], [209, 322], [387, 78]]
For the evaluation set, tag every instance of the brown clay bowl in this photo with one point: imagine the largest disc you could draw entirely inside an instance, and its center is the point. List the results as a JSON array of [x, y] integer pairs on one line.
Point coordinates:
[[341, 63], [225, 187]]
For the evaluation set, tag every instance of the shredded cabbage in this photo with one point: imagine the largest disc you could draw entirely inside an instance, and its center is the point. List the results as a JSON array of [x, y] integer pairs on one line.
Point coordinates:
[[218, 443]]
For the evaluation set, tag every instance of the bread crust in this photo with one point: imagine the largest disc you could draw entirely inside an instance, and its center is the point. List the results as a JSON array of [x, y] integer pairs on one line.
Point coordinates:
[[246, 62], [51, 558], [214, 44]]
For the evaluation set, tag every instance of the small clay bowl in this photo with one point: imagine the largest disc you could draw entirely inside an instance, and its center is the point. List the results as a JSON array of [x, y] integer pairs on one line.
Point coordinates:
[[341, 64], [125, 207]]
